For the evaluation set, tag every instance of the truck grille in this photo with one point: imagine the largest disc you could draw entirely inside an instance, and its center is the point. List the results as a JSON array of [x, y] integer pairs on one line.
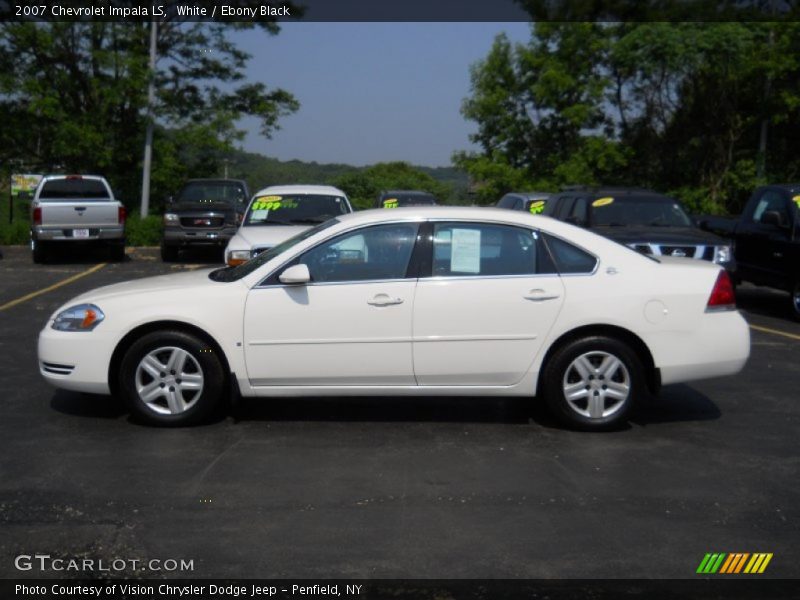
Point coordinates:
[[202, 222], [689, 251]]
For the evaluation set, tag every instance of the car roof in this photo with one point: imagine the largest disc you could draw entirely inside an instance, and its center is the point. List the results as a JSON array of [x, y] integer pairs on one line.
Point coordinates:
[[790, 187], [214, 180], [68, 175], [327, 190], [531, 195], [406, 193]]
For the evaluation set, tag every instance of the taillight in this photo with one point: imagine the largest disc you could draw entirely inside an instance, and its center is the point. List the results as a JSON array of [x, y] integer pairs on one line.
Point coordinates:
[[722, 296], [121, 215], [37, 216]]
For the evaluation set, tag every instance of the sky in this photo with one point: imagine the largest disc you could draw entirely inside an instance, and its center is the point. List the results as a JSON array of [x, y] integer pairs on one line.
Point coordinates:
[[370, 92]]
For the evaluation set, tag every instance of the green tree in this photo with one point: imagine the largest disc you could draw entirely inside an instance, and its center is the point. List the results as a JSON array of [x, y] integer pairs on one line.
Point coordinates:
[[363, 187], [704, 110], [74, 97]]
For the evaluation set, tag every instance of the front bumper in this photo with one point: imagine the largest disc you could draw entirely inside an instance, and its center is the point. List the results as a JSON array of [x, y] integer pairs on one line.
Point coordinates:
[[190, 237], [77, 361]]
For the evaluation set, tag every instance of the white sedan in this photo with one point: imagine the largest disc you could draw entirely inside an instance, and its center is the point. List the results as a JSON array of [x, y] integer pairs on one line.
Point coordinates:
[[413, 301], [277, 213]]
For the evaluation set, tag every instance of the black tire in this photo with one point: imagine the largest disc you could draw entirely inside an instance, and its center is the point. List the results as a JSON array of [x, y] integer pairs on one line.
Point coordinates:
[[39, 252], [169, 253], [795, 300], [117, 252], [196, 406], [561, 370]]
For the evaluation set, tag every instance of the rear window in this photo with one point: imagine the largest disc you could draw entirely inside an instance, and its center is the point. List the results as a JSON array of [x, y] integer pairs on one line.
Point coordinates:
[[85, 189]]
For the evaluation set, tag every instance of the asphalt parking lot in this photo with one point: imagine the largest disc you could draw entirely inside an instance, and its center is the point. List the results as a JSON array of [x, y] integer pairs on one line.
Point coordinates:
[[392, 488]]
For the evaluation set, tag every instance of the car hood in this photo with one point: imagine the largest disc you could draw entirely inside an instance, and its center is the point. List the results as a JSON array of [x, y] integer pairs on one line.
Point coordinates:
[[148, 285], [253, 236], [659, 235]]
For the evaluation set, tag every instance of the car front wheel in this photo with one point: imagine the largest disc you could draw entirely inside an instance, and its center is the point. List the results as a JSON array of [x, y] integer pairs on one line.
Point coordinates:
[[593, 382], [171, 378]]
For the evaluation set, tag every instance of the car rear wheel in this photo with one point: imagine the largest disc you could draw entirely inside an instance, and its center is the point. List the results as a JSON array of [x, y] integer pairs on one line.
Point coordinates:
[[117, 252], [171, 378], [593, 382], [169, 253], [796, 300]]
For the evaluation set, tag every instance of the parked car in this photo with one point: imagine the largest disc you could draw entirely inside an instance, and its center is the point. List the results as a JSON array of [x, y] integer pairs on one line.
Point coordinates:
[[277, 213], [398, 198], [643, 220], [767, 239], [76, 209], [532, 202], [413, 301], [206, 212]]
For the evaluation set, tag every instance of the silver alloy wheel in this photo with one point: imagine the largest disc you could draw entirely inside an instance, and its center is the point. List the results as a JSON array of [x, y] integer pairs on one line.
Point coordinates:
[[169, 380], [596, 384]]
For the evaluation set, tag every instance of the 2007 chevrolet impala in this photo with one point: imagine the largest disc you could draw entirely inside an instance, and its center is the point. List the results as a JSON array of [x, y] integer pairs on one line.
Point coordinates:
[[422, 301]]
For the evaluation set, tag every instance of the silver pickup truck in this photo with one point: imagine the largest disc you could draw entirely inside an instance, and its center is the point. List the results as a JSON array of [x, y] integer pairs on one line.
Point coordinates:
[[71, 209]]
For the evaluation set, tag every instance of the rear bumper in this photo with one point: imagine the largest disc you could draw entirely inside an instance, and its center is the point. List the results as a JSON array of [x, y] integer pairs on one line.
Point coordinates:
[[719, 347], [61, 234], [192, 237]]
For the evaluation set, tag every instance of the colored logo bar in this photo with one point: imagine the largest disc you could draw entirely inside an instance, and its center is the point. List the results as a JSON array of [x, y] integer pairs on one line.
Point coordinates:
[[734, 563]]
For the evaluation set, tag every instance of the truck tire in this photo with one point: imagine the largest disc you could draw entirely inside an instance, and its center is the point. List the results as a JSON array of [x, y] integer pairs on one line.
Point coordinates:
[[39, 252], [169, 253], [117, 252]]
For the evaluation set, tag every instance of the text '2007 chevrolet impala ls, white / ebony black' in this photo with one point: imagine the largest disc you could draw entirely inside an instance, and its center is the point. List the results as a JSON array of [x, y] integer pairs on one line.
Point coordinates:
[[413, 301]]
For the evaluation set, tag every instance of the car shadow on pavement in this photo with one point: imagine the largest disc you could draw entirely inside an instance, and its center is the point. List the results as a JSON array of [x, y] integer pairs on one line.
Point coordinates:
[[80, 255], [675, 404], [206, 255], [385, 409], [87, 405]]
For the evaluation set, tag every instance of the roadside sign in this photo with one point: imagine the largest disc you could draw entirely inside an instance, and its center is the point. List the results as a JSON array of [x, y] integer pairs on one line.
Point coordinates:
[[23, 185]]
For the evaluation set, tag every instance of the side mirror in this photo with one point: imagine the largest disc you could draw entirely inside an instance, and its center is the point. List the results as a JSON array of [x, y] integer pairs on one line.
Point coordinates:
[[297, 274], [773, 217]]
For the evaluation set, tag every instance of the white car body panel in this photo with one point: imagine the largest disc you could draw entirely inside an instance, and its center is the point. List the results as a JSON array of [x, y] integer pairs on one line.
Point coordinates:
[[463, 336]]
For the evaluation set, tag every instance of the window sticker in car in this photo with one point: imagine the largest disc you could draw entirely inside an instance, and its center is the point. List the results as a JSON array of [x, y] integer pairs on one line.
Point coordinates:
[[390, 203], [796, 200], [465, 253], [603, 201], [273, 203], [536, 207]]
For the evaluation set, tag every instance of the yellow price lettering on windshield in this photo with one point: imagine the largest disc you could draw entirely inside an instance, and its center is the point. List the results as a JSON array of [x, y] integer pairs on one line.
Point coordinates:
[[273, 203], [390, 203], [603, 201], [796, 200], [536, 207]]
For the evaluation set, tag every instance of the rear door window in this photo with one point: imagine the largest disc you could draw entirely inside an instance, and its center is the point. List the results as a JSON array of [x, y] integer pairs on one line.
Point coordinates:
[[570, 259]]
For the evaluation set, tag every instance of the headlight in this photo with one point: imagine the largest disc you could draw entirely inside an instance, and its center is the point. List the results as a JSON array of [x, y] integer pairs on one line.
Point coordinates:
[[83, 317], [237, 257], [722, 254], [171, 219]]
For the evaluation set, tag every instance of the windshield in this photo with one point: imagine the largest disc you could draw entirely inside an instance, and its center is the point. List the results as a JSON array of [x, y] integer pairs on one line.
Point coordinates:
[[220, 191], [638, 211], [397, 200], [295, 209], [74, 187], [234, 273]]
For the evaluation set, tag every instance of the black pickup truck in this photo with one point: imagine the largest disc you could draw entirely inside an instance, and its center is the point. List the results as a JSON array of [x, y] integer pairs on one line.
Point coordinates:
[[766, 239], [205, 212]]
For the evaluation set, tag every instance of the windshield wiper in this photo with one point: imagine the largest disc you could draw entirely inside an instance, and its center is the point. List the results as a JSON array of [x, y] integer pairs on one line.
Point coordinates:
[[272, 222]]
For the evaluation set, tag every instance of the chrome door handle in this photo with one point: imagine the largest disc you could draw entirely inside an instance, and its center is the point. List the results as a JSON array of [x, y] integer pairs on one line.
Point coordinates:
[[384, 300], [538, 295]]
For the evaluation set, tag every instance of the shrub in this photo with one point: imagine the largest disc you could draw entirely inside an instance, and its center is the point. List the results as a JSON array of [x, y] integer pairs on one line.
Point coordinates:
[[143, 231]]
